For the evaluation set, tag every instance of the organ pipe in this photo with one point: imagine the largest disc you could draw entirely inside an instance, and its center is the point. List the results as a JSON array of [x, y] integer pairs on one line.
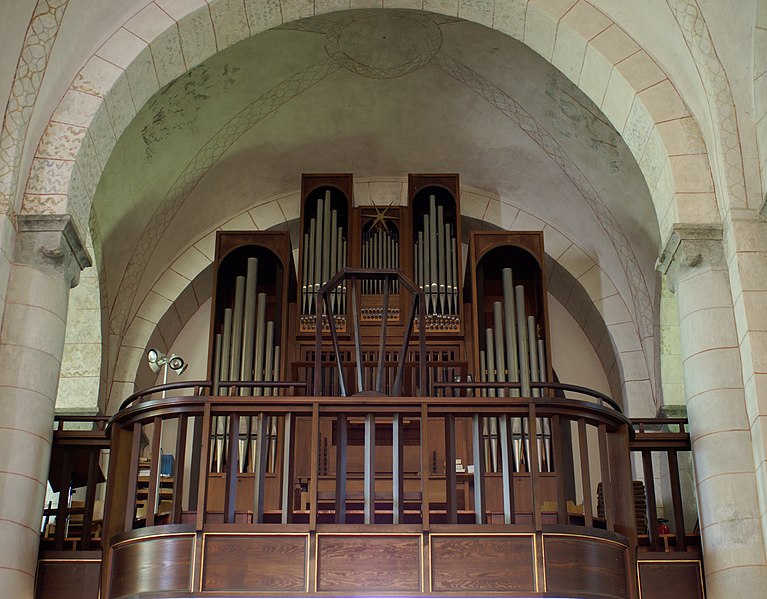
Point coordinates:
[[236, 355], [532, 343], [259, 353], [245, 350], [326, 240], [246, 371], [524, 363], [309, 263], [439, 229], [433, 279], [436, 265], [318, 248], [500, 358], [510, 327], [323, 256]]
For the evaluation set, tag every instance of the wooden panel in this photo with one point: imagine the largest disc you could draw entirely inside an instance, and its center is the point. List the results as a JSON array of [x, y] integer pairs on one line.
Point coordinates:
[[670, 579], [585, 565], [254, 563], [490, 563], [368, 563], [152, 564], [68, 579]]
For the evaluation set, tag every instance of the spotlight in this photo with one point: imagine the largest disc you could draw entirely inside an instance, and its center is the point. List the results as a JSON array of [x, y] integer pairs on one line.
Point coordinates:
[[176, 364], [158, 360]]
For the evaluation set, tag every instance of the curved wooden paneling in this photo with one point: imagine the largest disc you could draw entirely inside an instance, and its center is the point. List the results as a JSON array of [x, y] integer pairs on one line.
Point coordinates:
[[483, 563], [670, 578], [368, 563], [152, 564], [70, 577], [263, 563], [579, 564]]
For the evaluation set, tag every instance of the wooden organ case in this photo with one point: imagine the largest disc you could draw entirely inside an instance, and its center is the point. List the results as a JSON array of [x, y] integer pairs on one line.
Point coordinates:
[[254, 284], [491, 329]]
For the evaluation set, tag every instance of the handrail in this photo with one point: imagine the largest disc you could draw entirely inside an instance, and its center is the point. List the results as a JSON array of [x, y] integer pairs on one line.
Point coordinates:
[[646, 443], [199, 385], [546, 406], [516, 385], [517, 451], [60, 419]]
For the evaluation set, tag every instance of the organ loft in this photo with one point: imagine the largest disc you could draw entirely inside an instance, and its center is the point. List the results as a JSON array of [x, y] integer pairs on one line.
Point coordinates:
[[381, 417]]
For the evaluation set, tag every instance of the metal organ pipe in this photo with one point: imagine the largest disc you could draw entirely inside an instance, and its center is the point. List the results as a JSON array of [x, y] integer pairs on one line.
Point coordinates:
[[509, 329], [500, 358], [326, 241], [258, 365], [309, 263], [305, 278], [226, 348], [236, 355], [427, 262], [532, 343], [333, 268], [448, 265], [249, 316], [439, 231], [217, 364], [490, 355], [454, 258], [318, 249], [226, 344], [433, 278], [524, 366]]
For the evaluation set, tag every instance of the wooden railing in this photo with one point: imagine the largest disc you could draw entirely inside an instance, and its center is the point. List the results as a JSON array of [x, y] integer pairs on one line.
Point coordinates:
[[521, 460], [77, 453], [668, 437]]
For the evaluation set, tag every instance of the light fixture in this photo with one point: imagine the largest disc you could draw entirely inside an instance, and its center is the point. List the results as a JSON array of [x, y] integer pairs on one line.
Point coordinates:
[[158, 360]]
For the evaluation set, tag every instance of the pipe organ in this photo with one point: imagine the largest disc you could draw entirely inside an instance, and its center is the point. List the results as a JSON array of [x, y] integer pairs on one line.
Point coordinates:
[[253, 281], [492, 329], [511, 331], [324, 244], [436, 248]]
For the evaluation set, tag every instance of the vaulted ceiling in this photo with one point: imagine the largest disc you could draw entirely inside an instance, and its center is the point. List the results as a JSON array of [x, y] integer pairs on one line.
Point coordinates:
[[372, 93]]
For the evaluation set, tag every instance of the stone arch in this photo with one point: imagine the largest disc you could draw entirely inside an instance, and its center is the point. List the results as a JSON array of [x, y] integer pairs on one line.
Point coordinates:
[[163, 40], [575, 280]]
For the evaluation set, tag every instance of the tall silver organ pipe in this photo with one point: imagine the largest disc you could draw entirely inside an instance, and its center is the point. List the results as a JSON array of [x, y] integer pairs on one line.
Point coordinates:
[[323, 256], [532, 343], [510, 326], [236, 355], [524, 360], [500, 357], [258, 363], [248, 323], [318, 247], [439, 233]]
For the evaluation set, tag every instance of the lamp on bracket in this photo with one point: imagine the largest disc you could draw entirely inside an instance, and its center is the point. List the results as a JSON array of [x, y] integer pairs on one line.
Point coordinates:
[[158, 360]]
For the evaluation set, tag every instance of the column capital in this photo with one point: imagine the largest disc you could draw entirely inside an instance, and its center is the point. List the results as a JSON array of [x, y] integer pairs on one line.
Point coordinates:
[[51, 241], [690, 246]]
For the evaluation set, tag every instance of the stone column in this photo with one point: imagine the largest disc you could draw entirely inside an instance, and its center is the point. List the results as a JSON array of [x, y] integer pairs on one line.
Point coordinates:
[[734, 557], [47, 262]]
